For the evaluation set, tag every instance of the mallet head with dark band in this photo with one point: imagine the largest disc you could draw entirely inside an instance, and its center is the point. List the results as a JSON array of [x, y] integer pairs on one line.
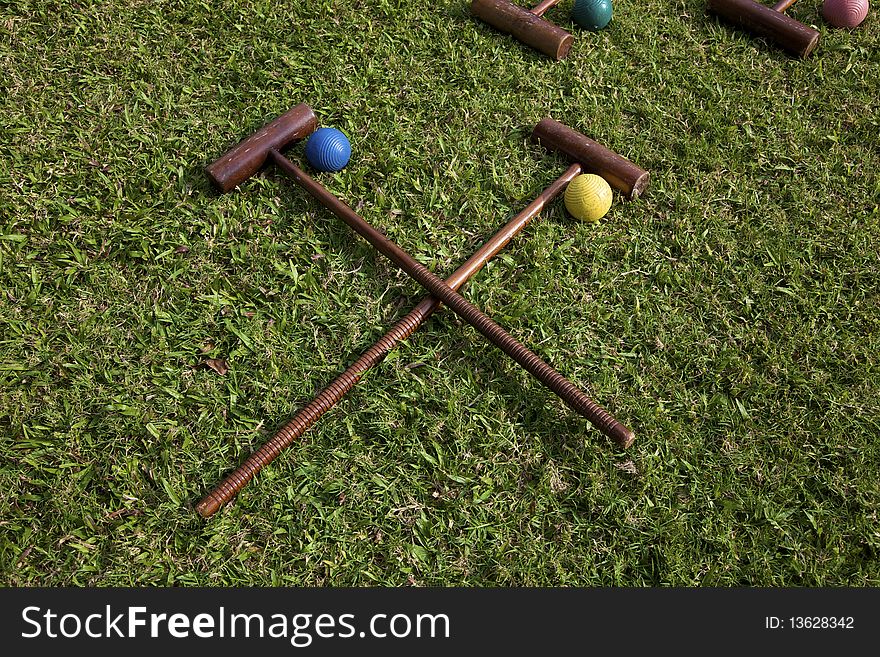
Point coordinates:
[[250, 155], [789, 34], [620, 173]]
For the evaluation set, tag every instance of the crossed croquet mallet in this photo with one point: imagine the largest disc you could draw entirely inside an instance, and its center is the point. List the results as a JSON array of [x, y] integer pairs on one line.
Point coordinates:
[[265, 146]]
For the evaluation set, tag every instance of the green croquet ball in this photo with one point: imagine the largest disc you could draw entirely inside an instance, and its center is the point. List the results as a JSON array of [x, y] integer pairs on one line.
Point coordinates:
[[592, 14]]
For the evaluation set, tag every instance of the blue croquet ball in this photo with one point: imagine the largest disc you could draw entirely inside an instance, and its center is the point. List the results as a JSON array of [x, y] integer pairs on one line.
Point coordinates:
[[328, 149], [592, 14]]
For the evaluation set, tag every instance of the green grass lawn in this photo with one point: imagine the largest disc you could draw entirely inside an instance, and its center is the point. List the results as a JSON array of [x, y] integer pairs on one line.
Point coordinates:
[[730, 316]]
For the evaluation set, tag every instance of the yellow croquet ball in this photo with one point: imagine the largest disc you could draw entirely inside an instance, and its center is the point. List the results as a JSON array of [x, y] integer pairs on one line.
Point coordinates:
[[588, 197]]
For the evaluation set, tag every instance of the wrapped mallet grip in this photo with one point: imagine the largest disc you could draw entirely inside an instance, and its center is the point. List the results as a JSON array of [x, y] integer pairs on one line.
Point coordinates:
[[595, 158]]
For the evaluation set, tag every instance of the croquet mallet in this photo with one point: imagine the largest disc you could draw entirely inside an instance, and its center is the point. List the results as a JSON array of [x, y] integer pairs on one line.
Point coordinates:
[[631, 178]]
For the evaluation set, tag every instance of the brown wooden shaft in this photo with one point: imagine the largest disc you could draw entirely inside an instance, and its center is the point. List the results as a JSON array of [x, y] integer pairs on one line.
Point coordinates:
[[541, 8], [595, 158], [333, 393], [552, 379], [791, 35], [250, 155], [783, 5], [532, 30], [515, 226]]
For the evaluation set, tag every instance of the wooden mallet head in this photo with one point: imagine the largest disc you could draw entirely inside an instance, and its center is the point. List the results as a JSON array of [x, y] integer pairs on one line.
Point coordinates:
[[250, 155], [526, 25], [620, 173], [791, 35]]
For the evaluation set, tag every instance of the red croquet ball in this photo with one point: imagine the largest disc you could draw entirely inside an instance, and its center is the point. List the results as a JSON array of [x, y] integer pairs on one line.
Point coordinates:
[[845, 13]]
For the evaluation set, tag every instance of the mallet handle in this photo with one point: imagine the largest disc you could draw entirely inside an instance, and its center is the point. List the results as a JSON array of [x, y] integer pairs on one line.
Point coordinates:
[[552, 379], [595, 158], [783, 5], [541, 8], [333, 393]]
